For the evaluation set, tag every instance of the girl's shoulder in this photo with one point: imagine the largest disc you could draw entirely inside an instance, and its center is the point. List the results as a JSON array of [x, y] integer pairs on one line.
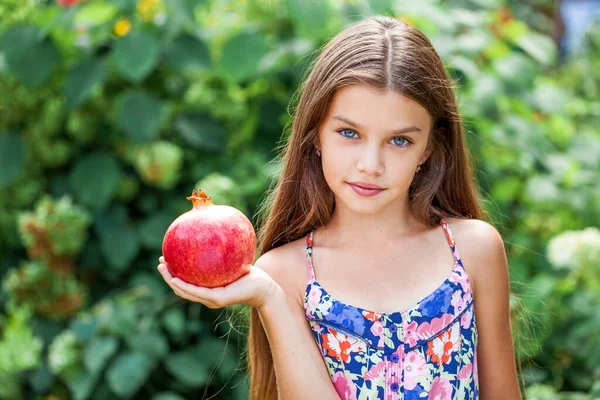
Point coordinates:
[[481, 247], [287, 265]]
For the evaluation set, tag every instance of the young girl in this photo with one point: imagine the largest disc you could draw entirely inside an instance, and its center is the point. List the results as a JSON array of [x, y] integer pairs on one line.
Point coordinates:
[[360, 291]]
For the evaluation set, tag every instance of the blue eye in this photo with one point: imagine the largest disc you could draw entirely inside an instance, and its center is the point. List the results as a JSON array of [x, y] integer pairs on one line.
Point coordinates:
[[347, 130], [403, 142], [403, 139]]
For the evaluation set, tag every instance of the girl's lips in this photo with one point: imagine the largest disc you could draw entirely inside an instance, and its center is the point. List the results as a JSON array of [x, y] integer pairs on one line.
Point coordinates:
[[365, 192]]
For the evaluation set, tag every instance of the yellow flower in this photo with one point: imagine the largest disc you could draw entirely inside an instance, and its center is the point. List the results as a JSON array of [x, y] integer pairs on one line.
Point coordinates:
[[148, 8], [407, 20], [122, 27]]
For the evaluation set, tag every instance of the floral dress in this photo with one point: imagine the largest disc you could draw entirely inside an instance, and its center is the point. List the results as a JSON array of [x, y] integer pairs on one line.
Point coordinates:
[[428, 351]]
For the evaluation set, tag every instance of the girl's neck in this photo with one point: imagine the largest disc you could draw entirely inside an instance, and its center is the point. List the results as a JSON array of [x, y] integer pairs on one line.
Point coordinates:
[[346, 226]]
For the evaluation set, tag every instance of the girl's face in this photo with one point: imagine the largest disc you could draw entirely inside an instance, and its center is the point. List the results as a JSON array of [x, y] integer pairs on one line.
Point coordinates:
[[375, 138]]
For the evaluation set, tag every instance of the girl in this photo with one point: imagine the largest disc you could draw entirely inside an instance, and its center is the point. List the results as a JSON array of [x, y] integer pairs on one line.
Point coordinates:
[[360, 291]]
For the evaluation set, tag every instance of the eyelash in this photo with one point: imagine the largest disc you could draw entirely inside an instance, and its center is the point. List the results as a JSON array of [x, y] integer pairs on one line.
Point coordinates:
[[408, 142]]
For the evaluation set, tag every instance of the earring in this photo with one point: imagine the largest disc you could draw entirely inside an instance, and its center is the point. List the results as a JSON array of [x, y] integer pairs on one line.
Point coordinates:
[[318, 153], [418, 167]]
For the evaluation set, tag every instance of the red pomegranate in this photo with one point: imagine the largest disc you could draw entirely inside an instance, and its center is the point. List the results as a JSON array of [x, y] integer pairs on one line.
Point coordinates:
[[210, 245]]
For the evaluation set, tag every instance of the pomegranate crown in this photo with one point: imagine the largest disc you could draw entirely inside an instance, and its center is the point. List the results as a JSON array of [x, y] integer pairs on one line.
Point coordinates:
[[199, 198]]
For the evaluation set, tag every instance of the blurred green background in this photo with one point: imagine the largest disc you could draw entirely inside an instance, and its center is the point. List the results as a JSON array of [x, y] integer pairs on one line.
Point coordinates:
[[112, 111]]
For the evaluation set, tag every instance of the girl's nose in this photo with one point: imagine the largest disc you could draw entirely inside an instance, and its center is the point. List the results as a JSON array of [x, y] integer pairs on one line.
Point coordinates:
[[371, 161]]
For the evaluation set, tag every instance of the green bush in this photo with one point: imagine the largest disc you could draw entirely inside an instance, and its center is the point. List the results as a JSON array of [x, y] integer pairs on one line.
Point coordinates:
[[114, 110]]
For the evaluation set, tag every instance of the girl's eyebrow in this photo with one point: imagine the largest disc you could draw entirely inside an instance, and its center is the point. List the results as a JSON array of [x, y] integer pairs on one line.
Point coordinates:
[[357, 125]]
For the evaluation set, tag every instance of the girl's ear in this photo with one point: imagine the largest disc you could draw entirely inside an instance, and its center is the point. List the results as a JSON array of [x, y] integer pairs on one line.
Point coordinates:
[[425, 155]]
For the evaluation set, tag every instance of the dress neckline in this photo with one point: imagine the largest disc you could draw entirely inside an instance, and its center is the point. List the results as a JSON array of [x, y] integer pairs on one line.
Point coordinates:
[[456, 270]]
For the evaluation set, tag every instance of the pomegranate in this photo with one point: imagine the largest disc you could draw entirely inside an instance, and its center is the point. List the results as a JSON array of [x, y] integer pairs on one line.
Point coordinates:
[[210, 245]]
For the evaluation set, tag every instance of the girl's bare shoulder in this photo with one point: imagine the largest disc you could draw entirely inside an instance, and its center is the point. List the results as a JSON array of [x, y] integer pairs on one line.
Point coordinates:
[[287, 265], [481, 247]]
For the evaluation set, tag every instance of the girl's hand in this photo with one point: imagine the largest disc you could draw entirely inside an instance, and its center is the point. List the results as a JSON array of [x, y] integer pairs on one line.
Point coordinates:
[[254, 289]]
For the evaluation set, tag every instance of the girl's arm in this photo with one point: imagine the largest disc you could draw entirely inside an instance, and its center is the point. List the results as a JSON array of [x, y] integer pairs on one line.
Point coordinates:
[[483, 252], [299, 367]]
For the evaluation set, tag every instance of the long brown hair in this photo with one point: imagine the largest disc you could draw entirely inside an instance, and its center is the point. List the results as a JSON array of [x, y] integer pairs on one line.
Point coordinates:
[[387, 54]]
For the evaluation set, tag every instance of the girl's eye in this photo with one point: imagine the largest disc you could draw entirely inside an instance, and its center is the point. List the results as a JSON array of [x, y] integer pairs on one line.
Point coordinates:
[[401, 141], [346, 130]]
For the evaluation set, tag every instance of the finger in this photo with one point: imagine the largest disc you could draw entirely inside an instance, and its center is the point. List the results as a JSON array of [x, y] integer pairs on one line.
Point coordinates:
[[164, 272], [183, 295], [189, 297], [204, 295], [161, 260]]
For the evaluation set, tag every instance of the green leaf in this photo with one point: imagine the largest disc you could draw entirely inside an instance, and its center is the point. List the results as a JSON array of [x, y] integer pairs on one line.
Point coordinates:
[[95, 178], [139, 114], [31, 57], [136, 54], [153, 229], [82, 80], [153, 344], [541, 47], [217, 353], [98, 352], [167, 396], [189, 367], [120, 246], [81, 384], [182, 11], [174, 321], [84, 327], [41, 379], [517, 70], [242, 55], [12, 154], [95, 13], [202, 132], [128, 373], [540, 189], [381, 6], [312, 17], [122, 320], [187, 53]]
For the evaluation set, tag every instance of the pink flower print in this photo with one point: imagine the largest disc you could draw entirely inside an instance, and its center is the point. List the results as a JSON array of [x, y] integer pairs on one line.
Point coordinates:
[[463, 280], [429, 329], [391, 396], [458, 302], [441, 389], [475, 368], [465, 372], [414, 366], [324, 305], [410, 333], [456, 254], [376, 371], [377, 330], [317, 327], [344, 386], [314, 296], [465, 319]]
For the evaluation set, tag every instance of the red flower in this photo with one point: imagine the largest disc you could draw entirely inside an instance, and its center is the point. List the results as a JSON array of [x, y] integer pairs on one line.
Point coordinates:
[[67, 3], [371, 316], [341, 346]]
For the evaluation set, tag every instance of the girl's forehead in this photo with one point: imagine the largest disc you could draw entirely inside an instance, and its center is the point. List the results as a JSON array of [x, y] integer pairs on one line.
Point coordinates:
[[364, 104]]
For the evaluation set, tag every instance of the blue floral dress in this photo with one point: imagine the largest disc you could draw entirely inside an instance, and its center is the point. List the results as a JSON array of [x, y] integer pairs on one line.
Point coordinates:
[[428, 351]]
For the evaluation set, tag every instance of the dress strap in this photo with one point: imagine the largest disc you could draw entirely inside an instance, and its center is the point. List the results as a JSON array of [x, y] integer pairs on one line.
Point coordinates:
[[451, 241], [309, 245]]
